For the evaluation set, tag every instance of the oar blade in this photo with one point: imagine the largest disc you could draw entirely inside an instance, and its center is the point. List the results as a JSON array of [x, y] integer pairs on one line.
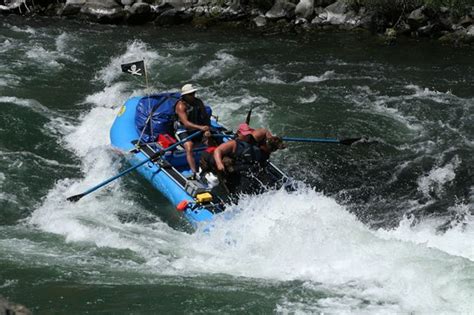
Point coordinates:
[[75, 198], [349, 141]]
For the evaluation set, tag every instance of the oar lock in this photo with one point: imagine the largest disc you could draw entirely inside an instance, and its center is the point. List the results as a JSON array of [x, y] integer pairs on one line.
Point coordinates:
[[200, 199]]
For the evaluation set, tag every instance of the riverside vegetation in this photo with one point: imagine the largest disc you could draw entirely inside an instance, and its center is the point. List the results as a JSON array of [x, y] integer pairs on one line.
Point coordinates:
[[450, 21]]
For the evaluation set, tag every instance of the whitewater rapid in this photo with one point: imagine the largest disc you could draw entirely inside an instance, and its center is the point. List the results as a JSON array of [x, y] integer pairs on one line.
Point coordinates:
[[278, 236]]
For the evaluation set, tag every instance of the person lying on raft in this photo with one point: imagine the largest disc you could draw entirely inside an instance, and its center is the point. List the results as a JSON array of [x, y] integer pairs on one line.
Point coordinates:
[[251, 135], [192, 116], [237, 155], [245, 154], [232, 159]]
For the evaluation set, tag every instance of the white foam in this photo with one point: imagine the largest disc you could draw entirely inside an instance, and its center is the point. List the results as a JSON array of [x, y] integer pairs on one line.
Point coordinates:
[[62, 42], [306, 236], [27, 29], [29, 103], [279, 236], [3, 195], [6, 45], [136, 51], [44, 57], [434, 95], [2, 180], [58, 124], [8, 283], [457, 240], [380, 107], [111, 96], [306, 100], [272, 79], [232, 110], [316, 79], [94, 219], [7, 79], [223, 63], [438, 177]]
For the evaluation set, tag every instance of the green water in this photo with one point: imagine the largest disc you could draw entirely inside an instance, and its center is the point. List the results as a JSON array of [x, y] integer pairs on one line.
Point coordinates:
[[387, 227]]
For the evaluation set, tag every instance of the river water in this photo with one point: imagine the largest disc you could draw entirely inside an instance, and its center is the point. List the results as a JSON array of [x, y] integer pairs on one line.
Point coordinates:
[[385, 226]]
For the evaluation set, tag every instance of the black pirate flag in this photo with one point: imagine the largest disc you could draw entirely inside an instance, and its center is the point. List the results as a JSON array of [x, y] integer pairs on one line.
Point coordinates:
[[134, 68]]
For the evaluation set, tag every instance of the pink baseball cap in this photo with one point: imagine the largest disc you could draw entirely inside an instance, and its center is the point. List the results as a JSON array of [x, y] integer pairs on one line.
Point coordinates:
[[245, 129]]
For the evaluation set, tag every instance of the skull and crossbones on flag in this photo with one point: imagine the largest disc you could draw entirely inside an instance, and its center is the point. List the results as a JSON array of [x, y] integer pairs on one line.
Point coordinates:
[[134, 68]]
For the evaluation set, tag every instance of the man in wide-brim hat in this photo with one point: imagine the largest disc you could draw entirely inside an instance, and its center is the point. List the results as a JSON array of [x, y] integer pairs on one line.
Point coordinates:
[[192, 116]]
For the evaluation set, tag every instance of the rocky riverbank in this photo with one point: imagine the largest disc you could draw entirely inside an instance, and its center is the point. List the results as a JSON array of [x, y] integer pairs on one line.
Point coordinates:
[[453, 23], [9, 308]]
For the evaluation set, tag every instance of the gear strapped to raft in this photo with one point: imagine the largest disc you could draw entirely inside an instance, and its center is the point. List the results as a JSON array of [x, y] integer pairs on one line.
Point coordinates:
[[155, 115]]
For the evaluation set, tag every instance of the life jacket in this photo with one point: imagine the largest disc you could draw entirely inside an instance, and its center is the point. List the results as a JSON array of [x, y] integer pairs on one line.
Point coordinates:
[[162, 110], [197, 113], [246, 153], [253, 141]]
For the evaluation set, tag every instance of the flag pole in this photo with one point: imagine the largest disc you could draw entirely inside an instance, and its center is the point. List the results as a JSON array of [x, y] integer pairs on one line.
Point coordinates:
[[148, 120], [132, 69], [146, 77]]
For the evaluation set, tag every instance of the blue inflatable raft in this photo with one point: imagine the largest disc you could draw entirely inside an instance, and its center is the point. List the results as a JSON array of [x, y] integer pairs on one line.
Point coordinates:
[[168, 172]]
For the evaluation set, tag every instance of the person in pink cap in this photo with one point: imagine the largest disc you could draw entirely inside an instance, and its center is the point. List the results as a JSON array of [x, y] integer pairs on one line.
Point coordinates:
[[253, 136]]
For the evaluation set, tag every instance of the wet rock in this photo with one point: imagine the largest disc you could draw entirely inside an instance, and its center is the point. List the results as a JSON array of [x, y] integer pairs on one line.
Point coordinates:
[[7, 307], [391, 32], [173, 17], [427, 31], [14, 6], [446, 22], [260, 21], [470, 30], [417, 18], [318, 10], [127, 3], [103, 11], [260, 5], [338, 7], [215, 11], [403, 28], [301, 21], [443, 9], [199, 11], [140, 13], [203, 22], [177, 4], [465, 21], [72, 7], [281, 9], [459, 37], [304, 9], [390, 36], [233, 13], [339, 13], [317, 21], [323, 3]]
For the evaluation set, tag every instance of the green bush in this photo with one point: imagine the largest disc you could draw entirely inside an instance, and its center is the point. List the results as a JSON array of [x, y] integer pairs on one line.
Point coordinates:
[[386, 6], [457, 6]]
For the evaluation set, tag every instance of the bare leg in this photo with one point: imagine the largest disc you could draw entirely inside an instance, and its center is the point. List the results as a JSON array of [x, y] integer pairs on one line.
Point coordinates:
[[188, 146]]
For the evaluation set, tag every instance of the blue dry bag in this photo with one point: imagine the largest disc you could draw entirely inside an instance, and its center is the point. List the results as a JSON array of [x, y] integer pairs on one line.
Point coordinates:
[[162, 107]]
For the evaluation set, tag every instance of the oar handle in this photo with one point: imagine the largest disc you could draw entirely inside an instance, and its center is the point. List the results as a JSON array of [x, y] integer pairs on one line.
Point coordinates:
[[158, 154]]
